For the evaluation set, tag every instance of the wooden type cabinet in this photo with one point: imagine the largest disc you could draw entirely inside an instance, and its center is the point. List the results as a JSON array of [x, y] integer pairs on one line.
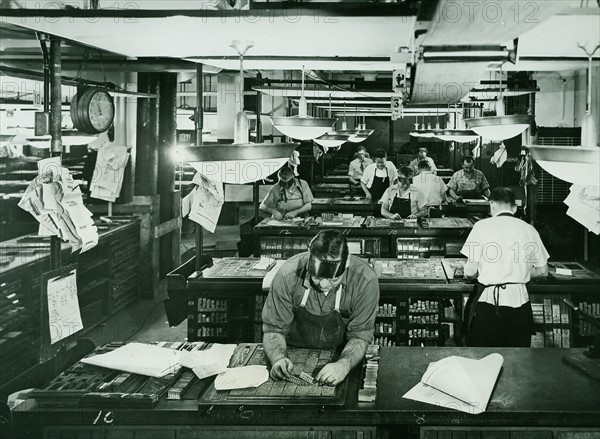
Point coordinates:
[[107, 280]]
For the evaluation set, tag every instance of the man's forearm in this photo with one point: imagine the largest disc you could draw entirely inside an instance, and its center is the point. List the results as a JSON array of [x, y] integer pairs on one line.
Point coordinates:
[[306, 208], [267, 209], [365, 190], [353, 352], [452, 193], [275, 346]]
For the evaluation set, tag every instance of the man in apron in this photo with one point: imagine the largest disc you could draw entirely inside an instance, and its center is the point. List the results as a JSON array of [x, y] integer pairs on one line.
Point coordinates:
[[504, 254], [288, 198], [468, 182], [321, 299], [377, 178], [403, 200]]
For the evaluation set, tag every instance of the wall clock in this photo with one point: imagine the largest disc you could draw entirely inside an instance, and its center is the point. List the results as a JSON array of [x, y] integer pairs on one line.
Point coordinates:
[[92, 110]]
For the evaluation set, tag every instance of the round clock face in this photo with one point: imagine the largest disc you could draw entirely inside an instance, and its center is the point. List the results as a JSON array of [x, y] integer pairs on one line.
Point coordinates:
[[101, 111]]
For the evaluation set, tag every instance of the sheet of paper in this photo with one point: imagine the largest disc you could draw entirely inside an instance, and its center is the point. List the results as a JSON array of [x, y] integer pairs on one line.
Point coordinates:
[[49, 168], [242, 377], [264, 263], [459, 383], [143, 359], [63, 307], [208, 362], [207, 201], [109, 171], [268, 279]]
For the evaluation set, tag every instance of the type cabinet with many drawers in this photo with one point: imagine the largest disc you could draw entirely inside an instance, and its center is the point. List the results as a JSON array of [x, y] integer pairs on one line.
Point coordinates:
[[107, 280]]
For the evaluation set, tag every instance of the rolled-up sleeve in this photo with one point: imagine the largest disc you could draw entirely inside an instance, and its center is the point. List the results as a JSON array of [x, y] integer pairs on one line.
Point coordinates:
[[453, 183], [367, 174], [271, 199], [307, 195], [277, 314], [364, 310]]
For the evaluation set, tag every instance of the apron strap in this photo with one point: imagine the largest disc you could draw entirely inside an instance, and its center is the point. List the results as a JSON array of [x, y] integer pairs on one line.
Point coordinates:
[[305, 297], [338, 299]]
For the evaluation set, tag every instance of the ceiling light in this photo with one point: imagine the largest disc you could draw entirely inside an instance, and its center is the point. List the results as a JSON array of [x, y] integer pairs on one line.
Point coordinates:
[[331, 140], [500, 127], [236, 164], [241, 126], [574, 164], [302, 127]]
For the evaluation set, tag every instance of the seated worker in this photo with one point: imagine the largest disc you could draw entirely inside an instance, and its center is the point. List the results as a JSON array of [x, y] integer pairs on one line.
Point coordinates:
[[422, 156], [431, 186], [403, 200], [503, 253], [321, 299], [358, 165], [468, 182], [289, 197], [377, 178]]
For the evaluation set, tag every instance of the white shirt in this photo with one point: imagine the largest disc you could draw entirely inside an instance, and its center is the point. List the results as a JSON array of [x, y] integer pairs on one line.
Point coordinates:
[[432, 187], [372, 170], [506, 249]]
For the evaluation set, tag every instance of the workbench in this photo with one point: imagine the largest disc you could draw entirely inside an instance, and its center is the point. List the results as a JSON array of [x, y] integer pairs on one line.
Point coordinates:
[[536, 396], [378, 237], [421, 302]]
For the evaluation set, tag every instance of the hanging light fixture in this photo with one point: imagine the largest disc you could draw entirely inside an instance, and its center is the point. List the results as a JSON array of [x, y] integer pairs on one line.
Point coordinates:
[[241, 162], [575, 164], [500, 127], [302, 127]]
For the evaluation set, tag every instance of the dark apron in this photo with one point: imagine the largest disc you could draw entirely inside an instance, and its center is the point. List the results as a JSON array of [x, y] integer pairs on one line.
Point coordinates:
[[377, 189], [473, 300], [318, 332], [286, 204], [402, 206], [471, 194]]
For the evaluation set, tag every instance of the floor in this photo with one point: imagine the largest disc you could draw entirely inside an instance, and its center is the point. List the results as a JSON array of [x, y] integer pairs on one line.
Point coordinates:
[[145, 320]]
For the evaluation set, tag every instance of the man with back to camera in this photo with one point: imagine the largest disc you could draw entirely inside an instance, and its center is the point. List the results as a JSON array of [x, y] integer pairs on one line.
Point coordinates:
[[503, 253], [422, 157], [468, 182], [431, 186], [321, 299], [377, 178], [358, 165], [289, 197]]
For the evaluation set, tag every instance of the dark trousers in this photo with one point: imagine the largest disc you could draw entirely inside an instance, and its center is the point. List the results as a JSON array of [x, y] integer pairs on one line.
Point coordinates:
[[511, 327]]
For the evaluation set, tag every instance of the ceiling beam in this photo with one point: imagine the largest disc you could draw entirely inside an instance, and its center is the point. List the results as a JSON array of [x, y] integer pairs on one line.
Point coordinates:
[[154, 65]]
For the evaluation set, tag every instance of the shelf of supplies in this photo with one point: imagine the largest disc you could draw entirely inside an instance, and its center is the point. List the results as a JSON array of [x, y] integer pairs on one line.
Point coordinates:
[[212, 310], [385, 334], [211, 324], [384, 317], [423, 312]]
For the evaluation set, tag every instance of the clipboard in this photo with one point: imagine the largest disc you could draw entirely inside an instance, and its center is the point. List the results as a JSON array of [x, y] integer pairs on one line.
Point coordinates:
[[49, 350]]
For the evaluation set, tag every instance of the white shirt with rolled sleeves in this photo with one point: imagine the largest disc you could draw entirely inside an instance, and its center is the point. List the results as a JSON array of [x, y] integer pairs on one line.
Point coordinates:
[[505, 249], [372, 170]]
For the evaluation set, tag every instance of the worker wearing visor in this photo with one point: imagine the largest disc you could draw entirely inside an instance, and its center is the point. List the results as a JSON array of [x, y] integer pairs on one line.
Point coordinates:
[[321, 299], [288, 198]]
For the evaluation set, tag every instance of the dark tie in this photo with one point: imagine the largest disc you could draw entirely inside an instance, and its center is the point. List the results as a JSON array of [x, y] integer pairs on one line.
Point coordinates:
[[362, 166]]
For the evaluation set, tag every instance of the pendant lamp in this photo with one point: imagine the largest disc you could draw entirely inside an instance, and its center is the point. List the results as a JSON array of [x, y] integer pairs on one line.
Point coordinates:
[[575, 164], [499, 127], [331, 139], [302, 127]]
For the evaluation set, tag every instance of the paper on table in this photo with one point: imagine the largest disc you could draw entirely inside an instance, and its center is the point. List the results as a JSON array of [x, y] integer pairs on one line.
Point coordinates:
[[564, 272], [139, 358], [458, 383], [242, 377], [268, 279], [209, 362], [264, 263], [63, 307]]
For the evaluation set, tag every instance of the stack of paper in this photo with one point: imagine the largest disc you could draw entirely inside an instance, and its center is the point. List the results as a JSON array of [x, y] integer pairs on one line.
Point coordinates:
[[108, 173], [242, 377], [459, 383], [584, 206], [204, 203], [55, 201]]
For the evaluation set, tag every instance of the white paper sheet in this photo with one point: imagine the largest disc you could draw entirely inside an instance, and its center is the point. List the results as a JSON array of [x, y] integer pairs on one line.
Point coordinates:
[[458, 383], [63, 307], [143, 359], [242, 377], [206, 203], [208, 362]]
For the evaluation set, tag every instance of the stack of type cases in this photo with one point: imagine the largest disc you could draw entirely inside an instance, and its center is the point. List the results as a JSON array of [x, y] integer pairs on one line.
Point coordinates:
[[552, 322], [278, 247], [124, 264], [207, 319]]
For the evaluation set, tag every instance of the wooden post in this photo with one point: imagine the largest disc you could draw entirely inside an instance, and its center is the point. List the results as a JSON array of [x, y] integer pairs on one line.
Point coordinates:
[[199, 124], [55, 129]]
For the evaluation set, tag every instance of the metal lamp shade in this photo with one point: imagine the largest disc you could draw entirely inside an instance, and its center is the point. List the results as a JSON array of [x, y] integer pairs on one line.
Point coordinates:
[[237, 164], [331, 140], [574, 164], [499, 128], [302, 128]]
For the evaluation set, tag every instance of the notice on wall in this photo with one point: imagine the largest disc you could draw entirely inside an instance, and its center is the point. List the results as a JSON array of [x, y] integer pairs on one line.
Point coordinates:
[[64, 316]]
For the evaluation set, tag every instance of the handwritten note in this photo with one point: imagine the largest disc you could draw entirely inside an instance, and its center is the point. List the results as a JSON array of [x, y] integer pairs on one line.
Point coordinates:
[[63, 307]]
